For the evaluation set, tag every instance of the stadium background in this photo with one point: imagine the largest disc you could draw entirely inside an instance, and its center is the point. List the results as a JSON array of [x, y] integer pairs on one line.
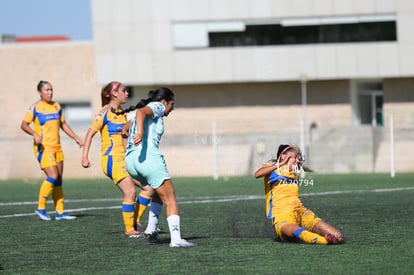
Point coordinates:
[[234, 102]]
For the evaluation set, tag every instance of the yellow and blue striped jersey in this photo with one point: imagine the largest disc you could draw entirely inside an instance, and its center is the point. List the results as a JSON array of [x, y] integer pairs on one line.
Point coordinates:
[[47, 119], [110, 126], [281, 191]]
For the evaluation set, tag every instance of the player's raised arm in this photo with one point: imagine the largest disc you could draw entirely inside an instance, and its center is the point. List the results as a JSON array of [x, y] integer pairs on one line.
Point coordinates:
[[264, 170]]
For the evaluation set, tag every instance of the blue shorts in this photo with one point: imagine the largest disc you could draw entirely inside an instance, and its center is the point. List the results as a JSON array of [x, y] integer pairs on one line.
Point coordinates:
[[147, 166]]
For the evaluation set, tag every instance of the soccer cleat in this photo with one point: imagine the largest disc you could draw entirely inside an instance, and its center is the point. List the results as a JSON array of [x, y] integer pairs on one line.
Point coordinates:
[[133, 234], [43, 214], [137, 226], [182, 243], [64, 216], [153, 237], [332, 239]]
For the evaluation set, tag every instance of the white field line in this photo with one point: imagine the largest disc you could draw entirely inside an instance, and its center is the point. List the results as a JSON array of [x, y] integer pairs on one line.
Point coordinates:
[[206, 199]]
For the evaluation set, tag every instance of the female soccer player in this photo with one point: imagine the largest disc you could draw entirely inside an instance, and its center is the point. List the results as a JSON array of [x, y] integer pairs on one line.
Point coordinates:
[[291, 220], [48, 118], [109, 121], [109, 124], [144, 160]]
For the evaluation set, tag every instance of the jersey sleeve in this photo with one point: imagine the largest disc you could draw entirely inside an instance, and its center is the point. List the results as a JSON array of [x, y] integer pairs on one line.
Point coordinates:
[[130, 115], [157, 108], [97, 122], [29, 116], [60, 110]]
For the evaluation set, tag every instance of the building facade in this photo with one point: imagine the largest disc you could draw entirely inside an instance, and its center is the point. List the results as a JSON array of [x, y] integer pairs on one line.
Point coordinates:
[[335, 77], [70, 68], [325, 74]]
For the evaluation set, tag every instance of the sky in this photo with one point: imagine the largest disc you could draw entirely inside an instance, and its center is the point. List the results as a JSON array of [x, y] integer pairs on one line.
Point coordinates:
[[71, 18]]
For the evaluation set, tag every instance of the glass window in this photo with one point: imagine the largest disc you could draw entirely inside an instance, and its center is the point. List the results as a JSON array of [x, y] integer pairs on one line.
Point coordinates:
[[290, 31], [78, 114], [260, 35]]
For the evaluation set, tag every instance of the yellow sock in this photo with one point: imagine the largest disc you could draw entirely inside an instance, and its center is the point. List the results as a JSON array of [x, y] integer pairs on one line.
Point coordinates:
[[45, 190], [128, 215], [309, 237], [141, 206], [58, 199]]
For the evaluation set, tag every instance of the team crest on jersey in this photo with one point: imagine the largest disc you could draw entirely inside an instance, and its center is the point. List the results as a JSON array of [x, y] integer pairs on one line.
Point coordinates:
[[52, 159], [123, 169], [98, 116]]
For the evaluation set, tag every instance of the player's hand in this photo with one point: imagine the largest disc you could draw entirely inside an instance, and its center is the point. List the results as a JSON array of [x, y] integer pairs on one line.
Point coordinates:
[[137, 139], [37, 139], [86, 163], [80, 143], [285, 161]]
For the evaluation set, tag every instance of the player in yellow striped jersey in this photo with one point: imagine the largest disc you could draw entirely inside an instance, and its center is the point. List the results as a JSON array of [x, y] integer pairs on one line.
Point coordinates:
[[291, 220], [47, 118], [109, 124]]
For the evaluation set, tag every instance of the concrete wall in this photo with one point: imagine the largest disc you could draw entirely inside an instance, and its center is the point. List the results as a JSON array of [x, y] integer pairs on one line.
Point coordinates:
[[70, 68], [135, 43], [251, 96]]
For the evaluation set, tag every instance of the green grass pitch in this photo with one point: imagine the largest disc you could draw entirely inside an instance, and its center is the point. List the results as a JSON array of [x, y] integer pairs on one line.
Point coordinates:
[[227, 221]]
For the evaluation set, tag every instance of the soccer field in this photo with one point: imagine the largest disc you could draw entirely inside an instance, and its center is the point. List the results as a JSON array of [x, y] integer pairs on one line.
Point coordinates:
[[226, 218]]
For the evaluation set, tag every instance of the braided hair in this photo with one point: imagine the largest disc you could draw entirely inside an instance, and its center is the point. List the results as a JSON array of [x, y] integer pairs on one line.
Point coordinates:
[[153, 95]]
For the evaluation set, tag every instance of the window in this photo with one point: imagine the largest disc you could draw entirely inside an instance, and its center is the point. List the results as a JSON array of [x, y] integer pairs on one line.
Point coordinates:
[[370, 103], [290, 31], [78, 114]]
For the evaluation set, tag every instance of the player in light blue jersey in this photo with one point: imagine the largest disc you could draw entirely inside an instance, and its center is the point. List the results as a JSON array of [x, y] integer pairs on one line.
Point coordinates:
[[144, 160]]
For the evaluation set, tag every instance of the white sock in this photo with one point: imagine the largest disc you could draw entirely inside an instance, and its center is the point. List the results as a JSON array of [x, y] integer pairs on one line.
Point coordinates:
[[153, 216], [174, 226]]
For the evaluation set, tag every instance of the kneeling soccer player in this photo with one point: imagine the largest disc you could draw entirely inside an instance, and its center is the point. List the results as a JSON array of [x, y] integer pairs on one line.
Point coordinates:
[[291, 220]]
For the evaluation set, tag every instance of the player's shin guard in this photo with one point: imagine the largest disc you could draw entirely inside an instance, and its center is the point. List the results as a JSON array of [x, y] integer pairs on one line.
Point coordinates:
[[128, 215], [45, 189], [301, 234], [141, 206], [57, 196]]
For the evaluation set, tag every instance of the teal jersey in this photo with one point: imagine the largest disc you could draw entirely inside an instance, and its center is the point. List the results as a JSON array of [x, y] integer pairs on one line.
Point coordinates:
[[153, 128]]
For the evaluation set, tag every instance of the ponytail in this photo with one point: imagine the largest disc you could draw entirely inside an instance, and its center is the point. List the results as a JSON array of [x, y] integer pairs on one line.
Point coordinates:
[[153, 95]]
